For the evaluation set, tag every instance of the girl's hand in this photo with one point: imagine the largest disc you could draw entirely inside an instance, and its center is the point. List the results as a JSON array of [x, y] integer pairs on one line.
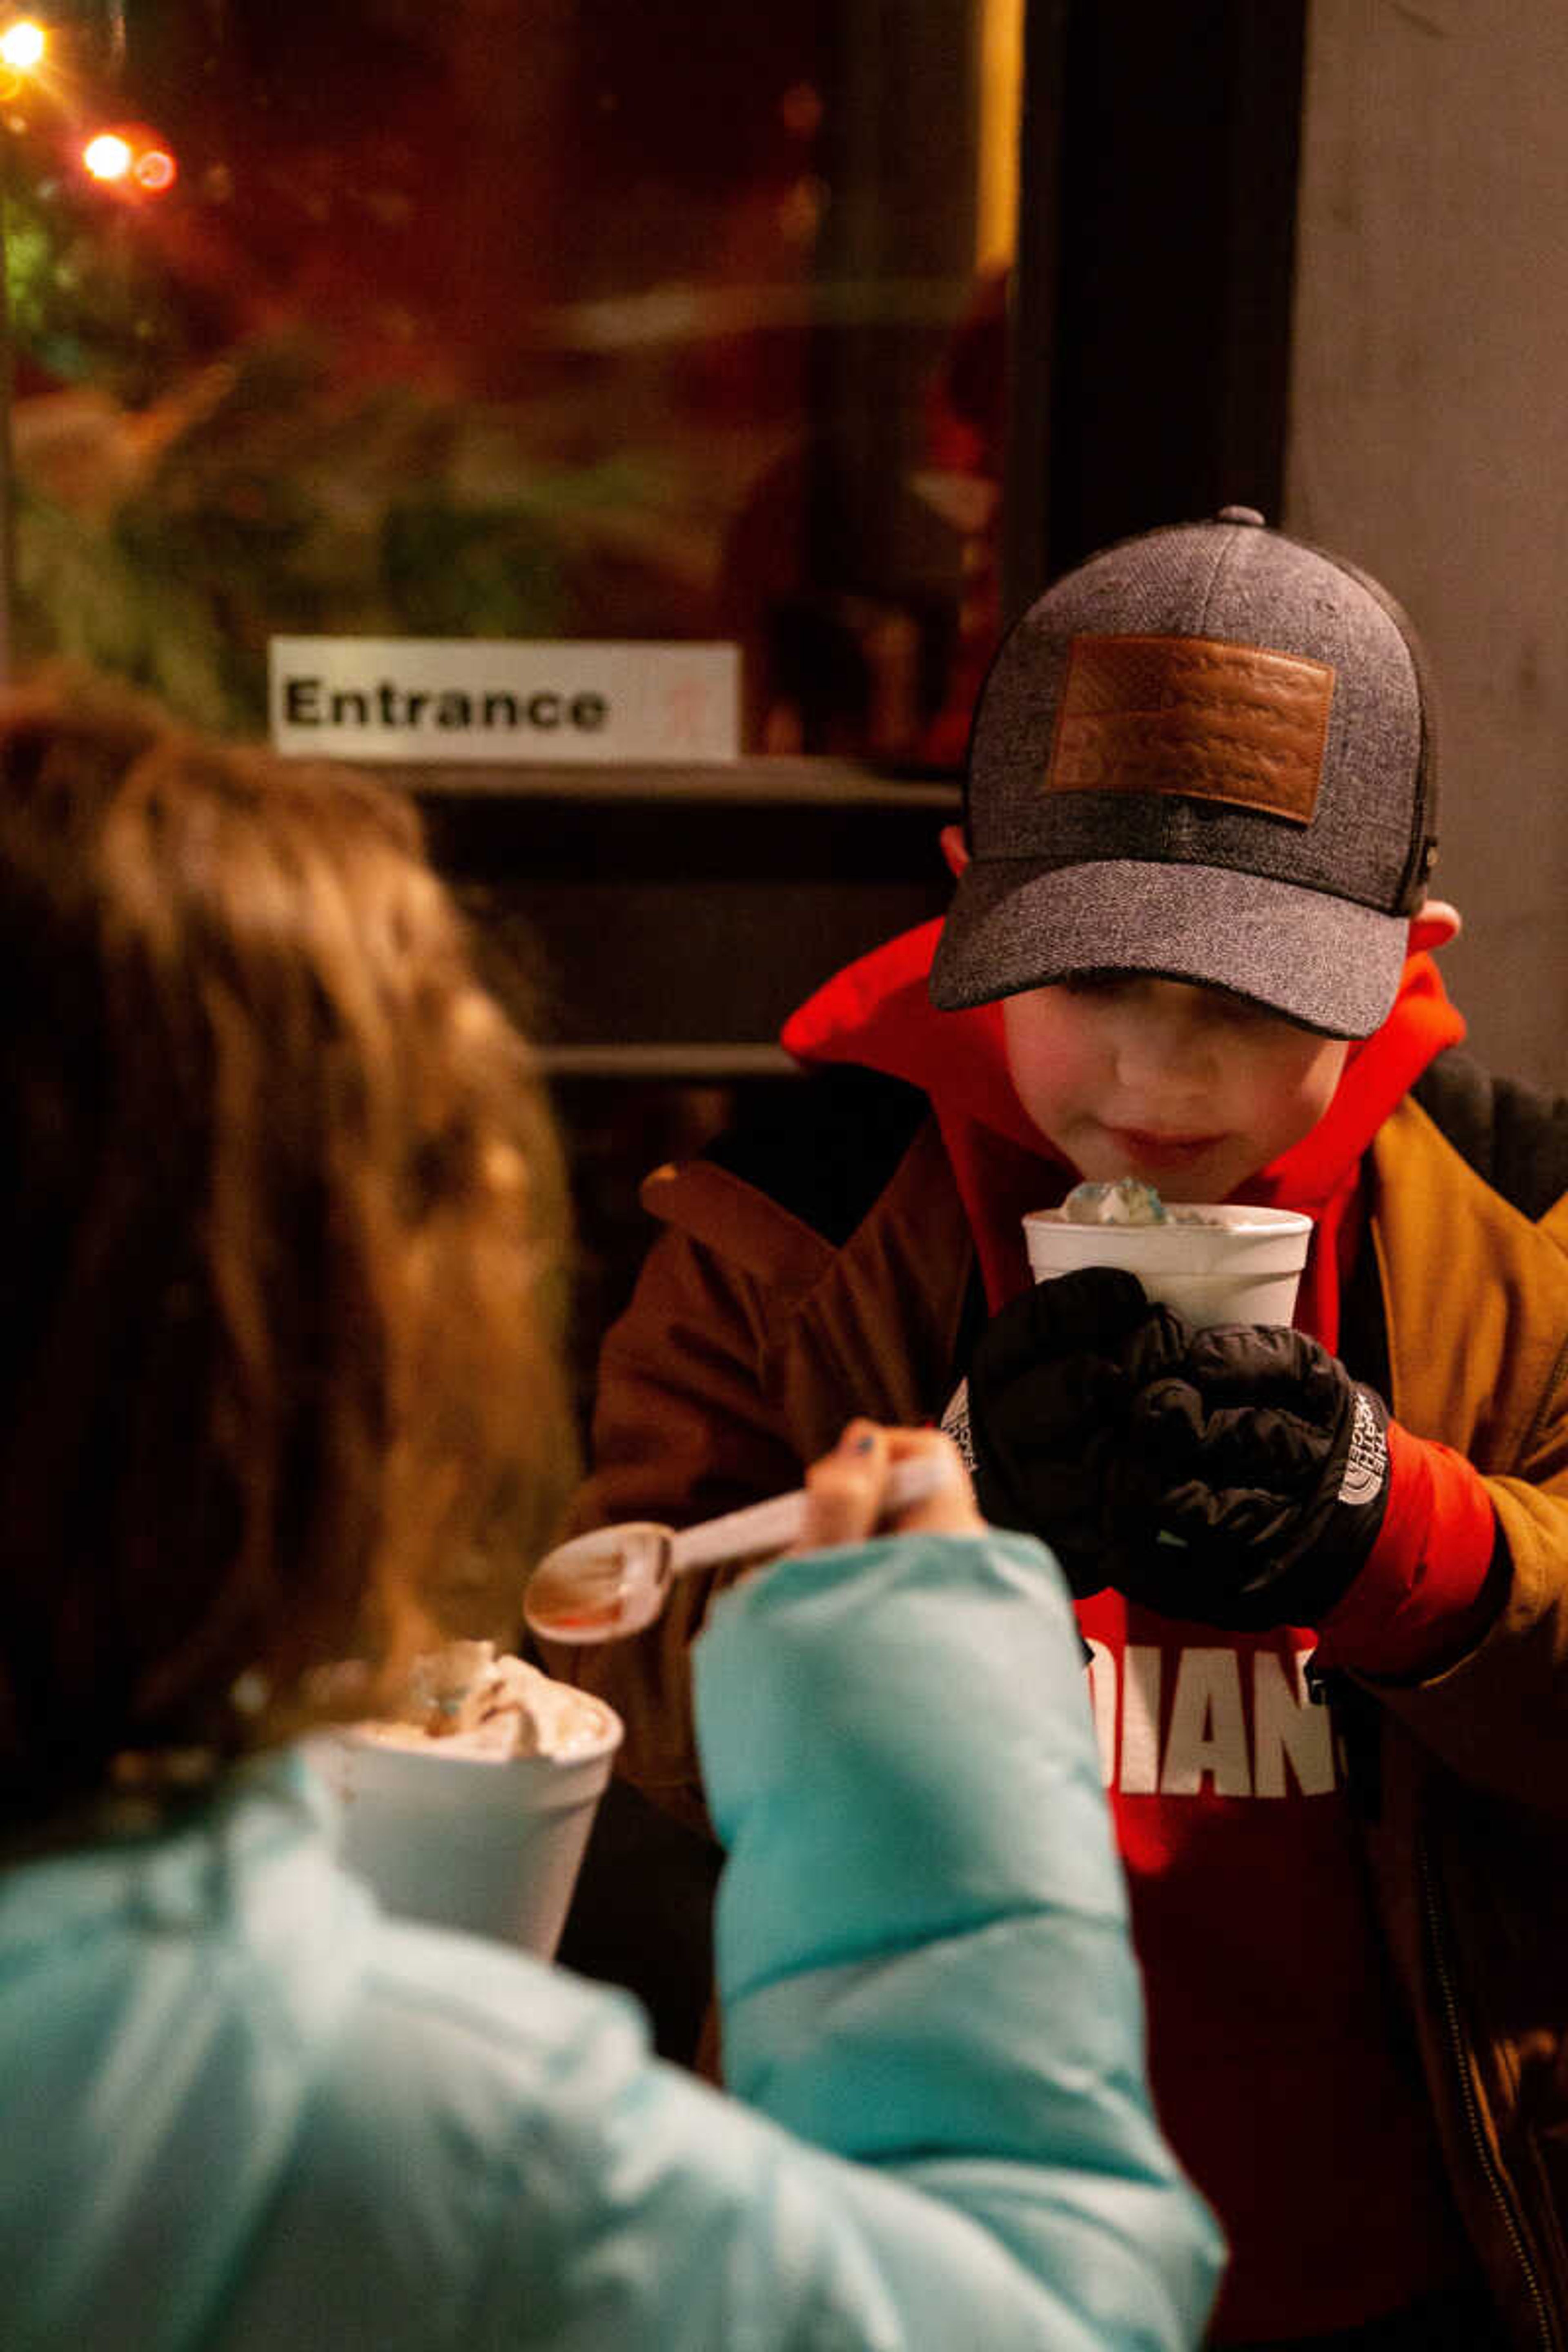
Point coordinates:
[[845, 1490]]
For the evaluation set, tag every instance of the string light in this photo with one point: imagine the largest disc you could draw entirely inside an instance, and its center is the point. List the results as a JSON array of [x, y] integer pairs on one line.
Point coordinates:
[[127, 160], [22, 45]]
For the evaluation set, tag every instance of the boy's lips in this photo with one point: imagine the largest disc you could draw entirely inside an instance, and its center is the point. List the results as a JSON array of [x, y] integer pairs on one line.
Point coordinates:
[[1148, 1148]]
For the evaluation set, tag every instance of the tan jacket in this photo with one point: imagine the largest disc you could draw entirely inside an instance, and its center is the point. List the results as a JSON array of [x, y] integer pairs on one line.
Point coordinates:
[[751, 1339]]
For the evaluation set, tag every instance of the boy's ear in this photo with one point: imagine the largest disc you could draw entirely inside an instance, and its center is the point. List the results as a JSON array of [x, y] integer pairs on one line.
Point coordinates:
[[953, 850], [1433, 925]]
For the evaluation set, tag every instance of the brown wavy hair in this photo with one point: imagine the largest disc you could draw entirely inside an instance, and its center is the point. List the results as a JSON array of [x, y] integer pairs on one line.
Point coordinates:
[[283, 1240]]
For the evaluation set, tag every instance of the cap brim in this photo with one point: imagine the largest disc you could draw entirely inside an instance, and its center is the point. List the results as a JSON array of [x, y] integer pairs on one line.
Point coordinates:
[[1323, 962]]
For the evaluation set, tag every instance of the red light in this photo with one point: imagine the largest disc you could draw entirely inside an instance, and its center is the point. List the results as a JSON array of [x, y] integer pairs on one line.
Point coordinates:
[[129, 160]]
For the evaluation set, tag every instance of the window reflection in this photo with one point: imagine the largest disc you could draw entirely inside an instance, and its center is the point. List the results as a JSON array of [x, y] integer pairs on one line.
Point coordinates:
[[518, 319]]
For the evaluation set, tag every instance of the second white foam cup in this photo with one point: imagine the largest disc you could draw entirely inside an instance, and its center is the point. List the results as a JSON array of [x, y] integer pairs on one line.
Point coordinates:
[[492, 1846], [1239, 1266]]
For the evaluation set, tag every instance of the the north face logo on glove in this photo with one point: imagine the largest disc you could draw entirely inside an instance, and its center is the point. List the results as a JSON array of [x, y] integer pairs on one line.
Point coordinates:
[[1366, 1464], [955, 1424]]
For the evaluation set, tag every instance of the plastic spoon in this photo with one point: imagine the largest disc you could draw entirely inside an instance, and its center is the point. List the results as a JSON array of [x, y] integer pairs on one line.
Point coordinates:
[[613, 1582]]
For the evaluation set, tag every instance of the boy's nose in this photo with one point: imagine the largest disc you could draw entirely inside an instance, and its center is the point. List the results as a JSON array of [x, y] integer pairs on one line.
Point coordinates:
[[1169, 1040]]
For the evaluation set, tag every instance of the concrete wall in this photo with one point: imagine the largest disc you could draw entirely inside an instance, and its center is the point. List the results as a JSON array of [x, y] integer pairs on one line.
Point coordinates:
[[1429, 438]]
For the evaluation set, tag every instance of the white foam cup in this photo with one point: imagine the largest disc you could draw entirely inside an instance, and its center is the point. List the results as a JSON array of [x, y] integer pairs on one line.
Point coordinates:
[[1239, 1266], [492, 1846]]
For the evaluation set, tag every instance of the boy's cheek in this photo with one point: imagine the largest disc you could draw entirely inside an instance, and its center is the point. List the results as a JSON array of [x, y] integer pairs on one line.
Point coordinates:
[[1052, 1066], [1055, 1107], [1309, 1091], [1305, 1104]]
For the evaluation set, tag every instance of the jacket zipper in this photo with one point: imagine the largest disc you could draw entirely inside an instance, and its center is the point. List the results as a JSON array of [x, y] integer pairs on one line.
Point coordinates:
[[1497, 2186]]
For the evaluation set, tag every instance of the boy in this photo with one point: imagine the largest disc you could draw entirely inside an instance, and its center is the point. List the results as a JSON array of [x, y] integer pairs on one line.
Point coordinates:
[[1191, 942]]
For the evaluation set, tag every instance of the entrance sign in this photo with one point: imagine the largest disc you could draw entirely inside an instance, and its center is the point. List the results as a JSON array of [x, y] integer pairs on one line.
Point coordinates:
[[503, 700]]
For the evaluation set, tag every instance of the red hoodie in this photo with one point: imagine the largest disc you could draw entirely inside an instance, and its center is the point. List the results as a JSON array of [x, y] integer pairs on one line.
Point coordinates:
[[1277, 2059]]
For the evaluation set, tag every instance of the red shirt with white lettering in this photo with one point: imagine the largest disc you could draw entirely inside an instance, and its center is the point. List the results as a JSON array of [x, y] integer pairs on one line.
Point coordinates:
[[1278, 2054]]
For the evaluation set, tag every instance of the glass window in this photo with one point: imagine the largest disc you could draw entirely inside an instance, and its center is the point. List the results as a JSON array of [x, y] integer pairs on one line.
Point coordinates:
[[518, 318]]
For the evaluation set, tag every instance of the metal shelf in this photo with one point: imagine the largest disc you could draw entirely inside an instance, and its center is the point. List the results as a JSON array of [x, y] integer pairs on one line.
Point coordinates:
[[677, 1060], [776, 783]]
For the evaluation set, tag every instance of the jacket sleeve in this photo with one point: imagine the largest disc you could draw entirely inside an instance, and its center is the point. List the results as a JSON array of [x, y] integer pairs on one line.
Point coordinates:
[[931, 2006], [1477, 1308], [752, 1334]]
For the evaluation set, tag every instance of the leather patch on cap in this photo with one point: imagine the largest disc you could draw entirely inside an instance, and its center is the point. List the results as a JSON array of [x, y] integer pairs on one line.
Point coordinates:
[[1198, 716]]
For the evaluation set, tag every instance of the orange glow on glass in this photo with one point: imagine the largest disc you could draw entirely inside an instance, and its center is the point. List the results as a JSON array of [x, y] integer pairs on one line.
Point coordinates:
[[154, 169]]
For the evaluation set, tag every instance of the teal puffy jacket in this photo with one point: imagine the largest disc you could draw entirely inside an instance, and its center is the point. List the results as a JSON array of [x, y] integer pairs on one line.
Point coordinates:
[[246, 2110]]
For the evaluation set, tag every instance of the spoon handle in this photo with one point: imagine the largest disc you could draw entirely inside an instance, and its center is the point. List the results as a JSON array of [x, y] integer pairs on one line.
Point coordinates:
[[774, 1525]]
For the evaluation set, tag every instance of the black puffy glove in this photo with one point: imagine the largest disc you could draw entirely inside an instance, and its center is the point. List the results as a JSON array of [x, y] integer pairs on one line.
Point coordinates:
[[1051, 1385], [1251, 1481], [1235, 1475]]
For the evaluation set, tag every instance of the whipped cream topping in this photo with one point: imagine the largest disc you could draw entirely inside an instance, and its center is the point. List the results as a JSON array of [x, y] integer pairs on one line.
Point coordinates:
[[471, 1701], [1128, 1201]]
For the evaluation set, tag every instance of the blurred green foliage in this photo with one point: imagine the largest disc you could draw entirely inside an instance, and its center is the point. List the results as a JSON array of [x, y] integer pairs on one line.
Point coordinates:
[[87, 300], [168, 543]]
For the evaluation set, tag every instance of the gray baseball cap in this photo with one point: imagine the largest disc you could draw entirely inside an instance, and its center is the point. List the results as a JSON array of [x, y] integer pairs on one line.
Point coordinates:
[[1205, 754]]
